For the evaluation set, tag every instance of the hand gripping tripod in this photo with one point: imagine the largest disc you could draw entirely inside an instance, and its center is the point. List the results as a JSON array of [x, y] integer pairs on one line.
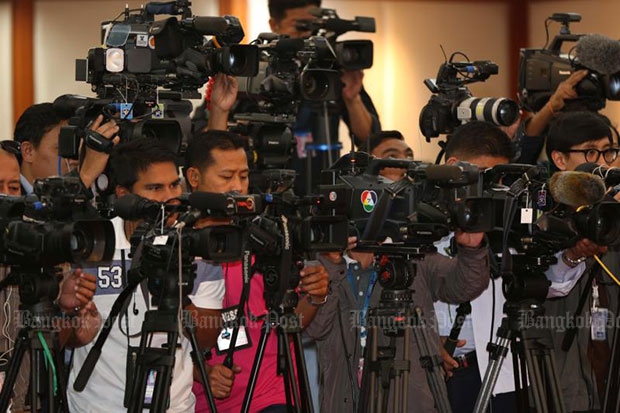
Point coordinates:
[[398, 316], [37, 290]]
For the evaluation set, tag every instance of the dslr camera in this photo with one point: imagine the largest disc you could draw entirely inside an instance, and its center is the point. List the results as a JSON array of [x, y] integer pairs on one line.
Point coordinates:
[[452, 104]]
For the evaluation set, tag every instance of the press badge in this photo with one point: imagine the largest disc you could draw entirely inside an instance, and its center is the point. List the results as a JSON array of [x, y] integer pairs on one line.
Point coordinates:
[[150, 387], [598, 317], [230, 319]]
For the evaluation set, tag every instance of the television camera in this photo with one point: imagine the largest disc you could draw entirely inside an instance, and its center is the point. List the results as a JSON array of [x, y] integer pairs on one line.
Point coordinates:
[[542, 70], [453, 104]]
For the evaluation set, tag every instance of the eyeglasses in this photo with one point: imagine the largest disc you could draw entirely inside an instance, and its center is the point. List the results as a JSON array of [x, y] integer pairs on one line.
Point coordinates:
[[13, 147], [593, 155]]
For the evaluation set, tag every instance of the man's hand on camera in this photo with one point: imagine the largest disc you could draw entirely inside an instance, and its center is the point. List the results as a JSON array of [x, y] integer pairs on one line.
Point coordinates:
[[224, 91], [336, 257], [94, 161], [314, 282], [584, 248], [566, 91], [352, 81], [77, 292], [221, 379], [468, 239]]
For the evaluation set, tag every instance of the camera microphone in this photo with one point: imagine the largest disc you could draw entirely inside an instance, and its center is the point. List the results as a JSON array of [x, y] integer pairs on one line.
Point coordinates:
[[209, 201], [132, 206], [575, 188], [599, 53], [156, 8], [207, 25]]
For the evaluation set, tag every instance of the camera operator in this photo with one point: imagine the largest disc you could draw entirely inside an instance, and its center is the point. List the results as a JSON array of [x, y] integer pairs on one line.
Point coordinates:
[[341, 344], [532, 131], [216, 162], [485, 145], [355, 107], [37, 132], [75, 296], [573, 139], [147, 168]]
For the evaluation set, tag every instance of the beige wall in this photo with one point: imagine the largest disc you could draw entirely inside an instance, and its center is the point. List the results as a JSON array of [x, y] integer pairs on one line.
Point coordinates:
[[6, 73], [599, 16]]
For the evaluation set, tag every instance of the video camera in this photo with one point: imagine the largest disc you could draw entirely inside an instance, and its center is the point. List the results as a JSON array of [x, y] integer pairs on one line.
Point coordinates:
[[141, 55], [542, 70], [414, 212], [53, 226], [452, 104]]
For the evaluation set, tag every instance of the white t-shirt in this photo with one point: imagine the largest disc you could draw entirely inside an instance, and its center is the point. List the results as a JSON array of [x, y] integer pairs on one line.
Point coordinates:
[[105, 390]]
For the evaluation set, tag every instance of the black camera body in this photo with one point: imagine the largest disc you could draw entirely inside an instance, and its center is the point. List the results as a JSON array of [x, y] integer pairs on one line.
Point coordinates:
[[55, 225], [413, 212]]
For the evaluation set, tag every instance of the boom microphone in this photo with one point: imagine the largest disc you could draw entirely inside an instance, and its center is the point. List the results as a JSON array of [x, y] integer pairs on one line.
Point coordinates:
[[575, 189], [599, 53]]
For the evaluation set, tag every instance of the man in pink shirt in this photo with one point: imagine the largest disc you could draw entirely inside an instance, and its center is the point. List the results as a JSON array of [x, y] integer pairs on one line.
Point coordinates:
[[216, 162]]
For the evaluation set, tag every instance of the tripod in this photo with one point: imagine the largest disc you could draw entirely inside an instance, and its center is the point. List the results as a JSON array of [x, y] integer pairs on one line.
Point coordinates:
[[382, 371], [37, 290], [533, 357], [159, 362], [287, 326]]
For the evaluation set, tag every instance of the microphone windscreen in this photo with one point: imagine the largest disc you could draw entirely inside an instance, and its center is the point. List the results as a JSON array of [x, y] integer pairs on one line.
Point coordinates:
[[209, 201], [574, 188], [599, 53]]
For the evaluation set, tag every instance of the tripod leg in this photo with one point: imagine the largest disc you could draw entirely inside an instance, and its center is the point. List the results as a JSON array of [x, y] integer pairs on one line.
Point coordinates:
[[433, 375], [302, 374], [13, 370], [497, 355], [289, 371], [258, 358], [199, 361]]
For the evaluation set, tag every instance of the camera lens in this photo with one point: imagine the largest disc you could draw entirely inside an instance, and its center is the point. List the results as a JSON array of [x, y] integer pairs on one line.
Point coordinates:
[[500, 111], [315, 85]]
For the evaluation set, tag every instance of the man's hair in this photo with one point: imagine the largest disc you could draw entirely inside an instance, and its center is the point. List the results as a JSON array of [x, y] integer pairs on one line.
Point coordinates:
[[35, 122], [574, 128], [478, 138], [377, 139], [199, 153], [278, 8], [128, 159]]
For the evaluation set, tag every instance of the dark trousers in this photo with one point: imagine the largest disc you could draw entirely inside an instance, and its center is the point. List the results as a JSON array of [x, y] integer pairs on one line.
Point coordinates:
[[464, 386]]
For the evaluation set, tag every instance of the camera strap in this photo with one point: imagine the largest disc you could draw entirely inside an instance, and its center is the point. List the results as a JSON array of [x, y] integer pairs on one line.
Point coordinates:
[[366, 304]]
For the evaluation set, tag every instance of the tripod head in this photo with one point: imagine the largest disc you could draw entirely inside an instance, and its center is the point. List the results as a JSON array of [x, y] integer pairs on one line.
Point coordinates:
[[38, 289]]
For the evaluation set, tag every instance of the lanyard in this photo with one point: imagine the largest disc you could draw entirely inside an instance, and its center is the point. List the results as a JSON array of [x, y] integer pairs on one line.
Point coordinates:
[[371, 284]]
